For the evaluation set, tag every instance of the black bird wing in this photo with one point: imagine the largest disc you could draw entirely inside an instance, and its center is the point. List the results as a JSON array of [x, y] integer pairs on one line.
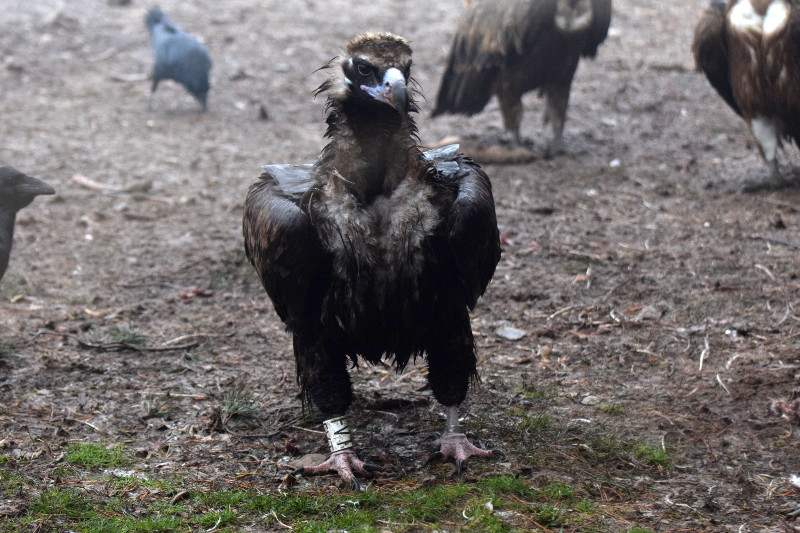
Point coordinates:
[[282, 245], [710, 49], [471, 222], [601, 20], [490, 33]]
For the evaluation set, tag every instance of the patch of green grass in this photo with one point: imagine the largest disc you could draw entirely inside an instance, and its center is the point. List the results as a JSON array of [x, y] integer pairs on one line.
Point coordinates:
[[557, 491], [239, 402], [4, 459], [535, 423], [550, 515], [499, 504], [638, 530], [11, 483], [95, 455], [653, 455], [540, 393], [62, 503], [216, 519], [611, 409], [506, 485]]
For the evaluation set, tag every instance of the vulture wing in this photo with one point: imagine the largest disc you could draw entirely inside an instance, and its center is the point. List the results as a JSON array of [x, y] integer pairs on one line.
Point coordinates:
[[710, 49], [793, 45], [283, 246], [471, 223], [601, 20], [490, 34]]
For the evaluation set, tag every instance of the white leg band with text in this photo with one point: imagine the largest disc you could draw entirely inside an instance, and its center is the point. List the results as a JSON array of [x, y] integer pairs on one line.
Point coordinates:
[[338, 434]]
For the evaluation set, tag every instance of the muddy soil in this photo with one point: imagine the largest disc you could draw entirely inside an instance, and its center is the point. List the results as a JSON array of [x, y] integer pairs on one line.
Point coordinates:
[[658, 301]]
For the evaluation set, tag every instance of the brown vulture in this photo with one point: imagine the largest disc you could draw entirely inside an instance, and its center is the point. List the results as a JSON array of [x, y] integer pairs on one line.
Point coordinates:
[[16, 191], [510, 47], [377, 250], [750, 52]]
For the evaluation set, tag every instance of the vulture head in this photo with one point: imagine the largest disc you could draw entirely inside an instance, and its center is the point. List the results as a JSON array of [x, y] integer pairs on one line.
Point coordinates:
[[373, 138], [376, 69]]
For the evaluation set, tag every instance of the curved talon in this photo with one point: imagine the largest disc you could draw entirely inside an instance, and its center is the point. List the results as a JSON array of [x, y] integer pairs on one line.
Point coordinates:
[[371, 467], [434, 457], [459, 466]]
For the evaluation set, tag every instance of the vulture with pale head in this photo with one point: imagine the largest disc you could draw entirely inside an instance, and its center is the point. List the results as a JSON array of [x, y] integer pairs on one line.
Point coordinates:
[[376, 250], [750, 52], [510, 47]]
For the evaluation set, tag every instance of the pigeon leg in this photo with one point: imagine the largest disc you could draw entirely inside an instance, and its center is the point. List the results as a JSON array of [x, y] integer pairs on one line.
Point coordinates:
[[454, 445]]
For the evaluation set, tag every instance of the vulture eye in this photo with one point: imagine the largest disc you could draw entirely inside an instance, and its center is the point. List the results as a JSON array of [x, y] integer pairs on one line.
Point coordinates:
[[364, 69]]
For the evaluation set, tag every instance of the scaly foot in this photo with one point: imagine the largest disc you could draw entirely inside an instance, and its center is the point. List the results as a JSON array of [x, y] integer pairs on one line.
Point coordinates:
[[343, 463], [457, 448]]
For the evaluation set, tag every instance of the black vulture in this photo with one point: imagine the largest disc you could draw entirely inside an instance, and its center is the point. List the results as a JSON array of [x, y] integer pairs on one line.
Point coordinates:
[[377, 250], [16, 191], [509, 47], [750, 52], [177, 56]]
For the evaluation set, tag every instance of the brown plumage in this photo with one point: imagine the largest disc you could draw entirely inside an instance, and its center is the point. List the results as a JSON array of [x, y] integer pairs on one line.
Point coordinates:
[[377, 250], [509, 47], [750, 53]]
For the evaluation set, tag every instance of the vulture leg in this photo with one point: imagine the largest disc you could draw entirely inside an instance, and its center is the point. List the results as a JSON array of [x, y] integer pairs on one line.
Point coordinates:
[[324, 377], [511, 108], [451, 365], [555, 114], [767, 134], [454, 445]]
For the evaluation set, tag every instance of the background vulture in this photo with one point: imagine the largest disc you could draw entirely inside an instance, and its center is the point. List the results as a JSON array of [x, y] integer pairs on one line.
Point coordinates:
[[16, 191], [376, 250], [750, 52], [510, 47], [177, 56]]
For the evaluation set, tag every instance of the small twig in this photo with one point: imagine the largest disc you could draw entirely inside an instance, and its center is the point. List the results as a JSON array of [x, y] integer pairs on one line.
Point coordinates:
[[178, 497], [219, 520], [308, 430], [278, 520], [560, 312], [114, 346], [765, 270], [194, 336], [97, 429], [773, 240], [722, 384], [703, 355]]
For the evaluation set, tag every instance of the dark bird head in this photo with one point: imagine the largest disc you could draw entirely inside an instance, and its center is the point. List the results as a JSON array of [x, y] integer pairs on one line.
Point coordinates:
[[376, 70], [18, 190], [153, 17]]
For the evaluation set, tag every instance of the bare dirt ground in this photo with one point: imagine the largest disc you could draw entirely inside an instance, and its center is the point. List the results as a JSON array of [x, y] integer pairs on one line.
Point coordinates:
[[659, 300]]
